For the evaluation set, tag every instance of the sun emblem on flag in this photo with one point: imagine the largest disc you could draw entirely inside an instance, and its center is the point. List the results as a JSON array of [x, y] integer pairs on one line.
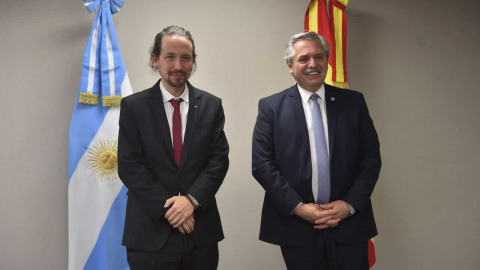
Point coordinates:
[[102, 159]]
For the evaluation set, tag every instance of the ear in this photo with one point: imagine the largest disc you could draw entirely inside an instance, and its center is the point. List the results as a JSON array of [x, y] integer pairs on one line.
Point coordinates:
[[290, 69], [154, 60]]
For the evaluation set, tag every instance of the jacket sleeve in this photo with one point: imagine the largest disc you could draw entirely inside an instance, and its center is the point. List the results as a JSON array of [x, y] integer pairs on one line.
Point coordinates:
[[264, 166], [131, 166], [207, 183], [369, 162]]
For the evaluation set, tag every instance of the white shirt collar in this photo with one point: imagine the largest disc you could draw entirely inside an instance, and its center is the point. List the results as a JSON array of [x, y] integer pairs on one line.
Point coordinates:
[[167, 96], [305, 94]]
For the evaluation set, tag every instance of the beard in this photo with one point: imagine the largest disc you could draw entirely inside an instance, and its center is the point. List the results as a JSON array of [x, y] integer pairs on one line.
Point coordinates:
[[176, 82]]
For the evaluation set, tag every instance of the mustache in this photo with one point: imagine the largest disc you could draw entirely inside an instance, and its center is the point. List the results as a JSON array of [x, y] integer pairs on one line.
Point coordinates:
[[184, 73]]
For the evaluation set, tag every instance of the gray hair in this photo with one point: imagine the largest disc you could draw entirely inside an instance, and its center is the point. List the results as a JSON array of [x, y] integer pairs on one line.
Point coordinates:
[[290, 52], [172, 30]]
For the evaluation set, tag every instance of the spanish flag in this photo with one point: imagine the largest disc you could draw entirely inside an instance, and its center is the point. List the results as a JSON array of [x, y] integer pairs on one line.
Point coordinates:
[[334, 29], [316, 20]]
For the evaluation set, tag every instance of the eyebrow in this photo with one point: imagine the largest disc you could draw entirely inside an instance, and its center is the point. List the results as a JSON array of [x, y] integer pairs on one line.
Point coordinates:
[[307, 55]]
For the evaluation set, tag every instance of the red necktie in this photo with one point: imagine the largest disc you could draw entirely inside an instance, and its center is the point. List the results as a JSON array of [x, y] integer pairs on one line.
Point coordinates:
[[177, 131]]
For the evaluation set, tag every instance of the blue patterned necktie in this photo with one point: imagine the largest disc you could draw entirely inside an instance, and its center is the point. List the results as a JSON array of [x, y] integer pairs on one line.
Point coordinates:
[[323, 161]]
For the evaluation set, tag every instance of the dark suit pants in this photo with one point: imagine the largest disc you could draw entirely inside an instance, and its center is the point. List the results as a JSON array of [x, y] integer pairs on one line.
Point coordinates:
[[325, 253], [178, 253]]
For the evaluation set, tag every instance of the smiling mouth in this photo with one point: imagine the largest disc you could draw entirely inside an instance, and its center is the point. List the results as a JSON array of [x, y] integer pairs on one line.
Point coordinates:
[[312, 72]]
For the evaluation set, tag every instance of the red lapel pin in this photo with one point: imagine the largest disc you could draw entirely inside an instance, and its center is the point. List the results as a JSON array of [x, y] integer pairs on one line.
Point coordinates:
[[195, 106]]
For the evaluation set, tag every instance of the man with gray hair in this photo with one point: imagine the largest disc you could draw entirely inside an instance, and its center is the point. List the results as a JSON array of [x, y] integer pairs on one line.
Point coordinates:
[[317, 155], [172, 157]]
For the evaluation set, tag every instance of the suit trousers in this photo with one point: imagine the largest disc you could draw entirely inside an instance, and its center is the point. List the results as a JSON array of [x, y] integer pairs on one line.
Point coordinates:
[[178, 253], [325, 253]]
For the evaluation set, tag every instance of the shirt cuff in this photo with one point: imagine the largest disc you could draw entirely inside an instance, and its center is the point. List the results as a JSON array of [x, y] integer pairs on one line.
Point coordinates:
[[196, 202], [351, 209], [296, 208]]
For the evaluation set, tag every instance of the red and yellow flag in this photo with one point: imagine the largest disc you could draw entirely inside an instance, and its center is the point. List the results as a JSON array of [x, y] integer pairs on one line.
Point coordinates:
[[371, 253], [316, 20], [334, 29]]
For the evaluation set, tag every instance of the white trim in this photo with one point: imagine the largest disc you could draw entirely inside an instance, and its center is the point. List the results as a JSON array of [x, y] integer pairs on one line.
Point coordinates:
[[111, 64], [93, 59]]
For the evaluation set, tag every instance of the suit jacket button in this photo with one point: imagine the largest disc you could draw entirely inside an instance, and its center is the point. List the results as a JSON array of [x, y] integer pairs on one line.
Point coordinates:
[[310, 199], [307, 176]]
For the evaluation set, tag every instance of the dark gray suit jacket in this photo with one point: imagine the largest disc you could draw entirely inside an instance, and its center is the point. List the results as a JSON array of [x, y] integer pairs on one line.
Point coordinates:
[[282, 165], [147, 168]]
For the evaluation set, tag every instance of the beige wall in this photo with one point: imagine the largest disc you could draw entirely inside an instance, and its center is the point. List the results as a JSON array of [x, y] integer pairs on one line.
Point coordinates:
[[416, 62]]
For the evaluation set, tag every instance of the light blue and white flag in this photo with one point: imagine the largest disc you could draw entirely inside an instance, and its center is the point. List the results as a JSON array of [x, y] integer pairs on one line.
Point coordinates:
[[96, 196]]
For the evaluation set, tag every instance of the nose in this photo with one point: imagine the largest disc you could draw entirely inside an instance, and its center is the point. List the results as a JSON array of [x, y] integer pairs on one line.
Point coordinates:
[[177, 64], [312, 63]]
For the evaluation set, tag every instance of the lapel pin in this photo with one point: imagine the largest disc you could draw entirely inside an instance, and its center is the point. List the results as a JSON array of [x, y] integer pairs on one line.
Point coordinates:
[[195, 106], [332, 99]]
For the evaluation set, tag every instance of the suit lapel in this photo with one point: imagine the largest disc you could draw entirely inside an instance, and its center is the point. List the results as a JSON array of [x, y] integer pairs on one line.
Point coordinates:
[[331, 100], [193, 108], [158, 108], [295, 102]]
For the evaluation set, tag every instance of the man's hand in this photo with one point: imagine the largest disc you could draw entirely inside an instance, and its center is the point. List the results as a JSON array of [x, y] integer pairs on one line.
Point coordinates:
[[188, 226], [341, 211], [181, 210], [312, 212]]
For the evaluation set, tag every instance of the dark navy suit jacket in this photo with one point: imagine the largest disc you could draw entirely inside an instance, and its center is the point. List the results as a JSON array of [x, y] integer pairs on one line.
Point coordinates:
[[282, 165], [147, 167]]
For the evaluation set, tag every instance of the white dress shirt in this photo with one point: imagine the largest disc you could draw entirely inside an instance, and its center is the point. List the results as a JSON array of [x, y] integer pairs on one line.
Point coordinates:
[[183, 113], [169, 108], [308, 109]]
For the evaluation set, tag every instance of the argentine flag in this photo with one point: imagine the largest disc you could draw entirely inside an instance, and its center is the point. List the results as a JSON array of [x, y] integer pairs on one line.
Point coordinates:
[[96, 196]]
